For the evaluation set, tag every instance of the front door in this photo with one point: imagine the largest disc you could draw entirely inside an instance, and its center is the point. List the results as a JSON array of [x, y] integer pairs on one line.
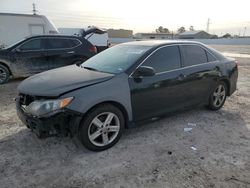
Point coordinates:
[[30, 57], [163, 92]]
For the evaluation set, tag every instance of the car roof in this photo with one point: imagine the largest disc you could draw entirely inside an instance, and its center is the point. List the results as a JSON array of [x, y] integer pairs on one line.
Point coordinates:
[[155, 43], [56, 36]]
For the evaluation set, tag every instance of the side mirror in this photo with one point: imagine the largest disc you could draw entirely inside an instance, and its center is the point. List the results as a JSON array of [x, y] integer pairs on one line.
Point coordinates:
[[16, 50], [144, 71]]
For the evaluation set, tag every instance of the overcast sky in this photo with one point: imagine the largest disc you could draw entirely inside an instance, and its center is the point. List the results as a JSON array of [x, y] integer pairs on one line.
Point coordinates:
[[141, 15]]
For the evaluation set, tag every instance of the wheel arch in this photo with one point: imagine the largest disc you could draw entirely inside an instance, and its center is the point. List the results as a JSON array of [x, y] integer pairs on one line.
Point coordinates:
[[7, 66], [226, 81], [116, 104]]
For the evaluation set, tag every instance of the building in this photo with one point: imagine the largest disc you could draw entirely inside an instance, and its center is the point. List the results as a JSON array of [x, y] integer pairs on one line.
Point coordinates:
[[195, 35], [14, 27], [154, 35], [120, 33]]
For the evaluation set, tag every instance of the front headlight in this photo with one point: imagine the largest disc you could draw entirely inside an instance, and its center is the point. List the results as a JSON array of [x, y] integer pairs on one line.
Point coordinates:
[[42, 107]]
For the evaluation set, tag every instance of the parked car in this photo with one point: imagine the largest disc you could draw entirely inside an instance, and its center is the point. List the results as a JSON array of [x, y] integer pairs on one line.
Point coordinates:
[[99, 38], [122, 86], [43, 52]]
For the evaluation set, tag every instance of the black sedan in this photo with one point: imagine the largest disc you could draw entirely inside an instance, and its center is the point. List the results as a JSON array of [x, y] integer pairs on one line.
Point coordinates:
[[40, 53], [122, 86]]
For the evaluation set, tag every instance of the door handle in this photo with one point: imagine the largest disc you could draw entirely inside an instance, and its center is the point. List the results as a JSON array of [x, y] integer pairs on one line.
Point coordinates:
[[181, 77], [71, 52]]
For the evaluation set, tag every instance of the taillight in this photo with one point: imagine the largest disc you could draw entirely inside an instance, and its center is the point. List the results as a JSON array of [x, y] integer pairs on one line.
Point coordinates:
[[93, 49], [237, 64]]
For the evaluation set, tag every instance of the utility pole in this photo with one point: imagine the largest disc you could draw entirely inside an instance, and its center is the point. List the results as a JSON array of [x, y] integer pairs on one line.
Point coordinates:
[[245, 28], [208, 24], [34, 9]]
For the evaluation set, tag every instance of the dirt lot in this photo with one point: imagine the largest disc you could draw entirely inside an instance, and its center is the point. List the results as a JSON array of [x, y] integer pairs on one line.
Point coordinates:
[[158, 154]]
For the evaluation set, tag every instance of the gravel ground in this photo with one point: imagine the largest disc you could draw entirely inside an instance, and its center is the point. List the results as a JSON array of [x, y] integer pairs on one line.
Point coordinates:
[[158, 154]]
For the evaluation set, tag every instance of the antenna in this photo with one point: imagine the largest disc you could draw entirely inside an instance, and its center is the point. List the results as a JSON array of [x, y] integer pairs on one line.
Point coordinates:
[[208, 24], [34, 9]]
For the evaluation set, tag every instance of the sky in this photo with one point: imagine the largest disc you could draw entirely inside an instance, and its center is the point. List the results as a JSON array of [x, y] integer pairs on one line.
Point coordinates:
[[141, 15]]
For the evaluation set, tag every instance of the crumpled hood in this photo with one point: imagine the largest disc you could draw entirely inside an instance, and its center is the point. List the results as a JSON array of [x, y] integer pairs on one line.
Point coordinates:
[[58, 81]]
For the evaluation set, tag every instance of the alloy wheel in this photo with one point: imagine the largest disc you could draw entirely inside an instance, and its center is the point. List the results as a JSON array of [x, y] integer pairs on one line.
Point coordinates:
[[219, 95], [104, 129]]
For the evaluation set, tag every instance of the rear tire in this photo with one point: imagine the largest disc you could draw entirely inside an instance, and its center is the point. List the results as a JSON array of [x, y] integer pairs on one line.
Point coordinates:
[[218, 96], [4, 74], [102, 127]]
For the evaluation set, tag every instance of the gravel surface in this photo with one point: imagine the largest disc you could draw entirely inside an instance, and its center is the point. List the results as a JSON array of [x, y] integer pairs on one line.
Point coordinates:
[[214, 153]]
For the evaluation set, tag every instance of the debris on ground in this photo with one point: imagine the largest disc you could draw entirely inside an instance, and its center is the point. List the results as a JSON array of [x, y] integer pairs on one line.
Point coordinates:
[[188, 129], [193, 148]]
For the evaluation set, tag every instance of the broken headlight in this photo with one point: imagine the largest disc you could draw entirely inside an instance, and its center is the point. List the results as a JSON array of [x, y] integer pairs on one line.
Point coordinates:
[[42, 107]]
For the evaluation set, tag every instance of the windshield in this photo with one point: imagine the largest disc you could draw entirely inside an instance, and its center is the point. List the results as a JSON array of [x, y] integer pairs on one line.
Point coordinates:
[[116, 59]]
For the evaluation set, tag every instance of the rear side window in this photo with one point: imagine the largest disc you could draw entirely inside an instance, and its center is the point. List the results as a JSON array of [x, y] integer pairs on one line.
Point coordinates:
[[74, 42], [164, 59], [57, 43], [34, 44], [193, 55]]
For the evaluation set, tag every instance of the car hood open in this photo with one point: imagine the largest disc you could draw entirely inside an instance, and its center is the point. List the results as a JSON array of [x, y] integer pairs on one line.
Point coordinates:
[[55, 82]]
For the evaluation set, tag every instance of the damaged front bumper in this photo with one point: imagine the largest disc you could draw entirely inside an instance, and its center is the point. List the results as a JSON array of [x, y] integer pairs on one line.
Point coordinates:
[[61, 123]]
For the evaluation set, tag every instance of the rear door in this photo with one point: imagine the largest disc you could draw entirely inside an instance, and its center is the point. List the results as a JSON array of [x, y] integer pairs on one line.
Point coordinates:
[[61, 51], [156, 95], [199, 71], [30, 57]]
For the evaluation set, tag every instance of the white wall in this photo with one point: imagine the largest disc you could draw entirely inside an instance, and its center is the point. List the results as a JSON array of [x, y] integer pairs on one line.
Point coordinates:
[[14, 28]]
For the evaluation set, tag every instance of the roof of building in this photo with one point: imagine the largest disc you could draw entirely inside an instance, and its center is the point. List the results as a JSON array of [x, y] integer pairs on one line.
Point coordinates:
[[155, 33], [25, 15], [191, 32]]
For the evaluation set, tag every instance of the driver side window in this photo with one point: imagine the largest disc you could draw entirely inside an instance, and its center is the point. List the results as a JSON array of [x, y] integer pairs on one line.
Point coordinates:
[[164, 59], [35, 44]]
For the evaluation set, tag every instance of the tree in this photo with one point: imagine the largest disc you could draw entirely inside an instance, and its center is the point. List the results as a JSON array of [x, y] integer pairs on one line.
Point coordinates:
[[166, 30], [162, 30], [191, 28], [181, 30]]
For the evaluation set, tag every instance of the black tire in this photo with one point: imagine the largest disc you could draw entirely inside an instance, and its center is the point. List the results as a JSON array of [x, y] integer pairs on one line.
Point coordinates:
[[213, 105], [4, 74], [87, 125]]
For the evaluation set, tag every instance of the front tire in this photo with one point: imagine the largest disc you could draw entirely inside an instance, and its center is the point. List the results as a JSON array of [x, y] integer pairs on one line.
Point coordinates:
[[102, 127], [4, 74], [218, 96]]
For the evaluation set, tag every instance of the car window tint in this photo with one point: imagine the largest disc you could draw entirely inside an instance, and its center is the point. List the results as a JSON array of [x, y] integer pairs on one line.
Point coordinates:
[[74, 42], [210, 58], [164, 59], [34, 44], [55, 43], [193, 55]]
